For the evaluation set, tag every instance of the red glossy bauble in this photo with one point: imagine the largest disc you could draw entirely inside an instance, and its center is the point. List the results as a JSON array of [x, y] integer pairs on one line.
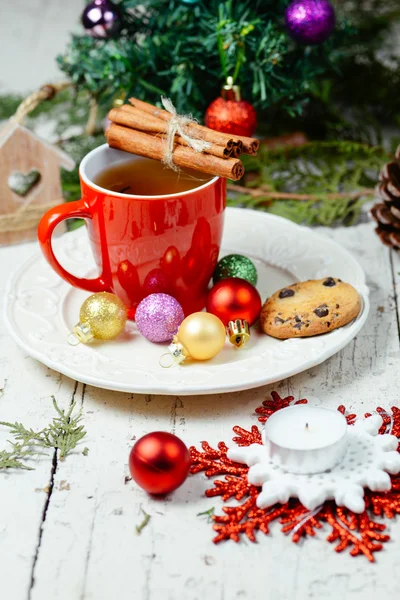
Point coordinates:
[[234, 298], [159, 462], [237, 117]]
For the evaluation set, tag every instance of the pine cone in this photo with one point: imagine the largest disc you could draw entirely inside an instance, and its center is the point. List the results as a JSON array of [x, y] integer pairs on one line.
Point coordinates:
[[387, 213]]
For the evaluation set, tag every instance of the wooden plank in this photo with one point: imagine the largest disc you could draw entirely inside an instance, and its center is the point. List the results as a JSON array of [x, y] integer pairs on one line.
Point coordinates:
[[89, 549], [27, 387]]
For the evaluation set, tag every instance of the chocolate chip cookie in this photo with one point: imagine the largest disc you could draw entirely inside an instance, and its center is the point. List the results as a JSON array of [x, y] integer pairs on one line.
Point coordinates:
[[310, 308]]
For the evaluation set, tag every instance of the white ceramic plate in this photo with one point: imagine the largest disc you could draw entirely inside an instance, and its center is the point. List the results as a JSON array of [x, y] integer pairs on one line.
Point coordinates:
[[41, 309]]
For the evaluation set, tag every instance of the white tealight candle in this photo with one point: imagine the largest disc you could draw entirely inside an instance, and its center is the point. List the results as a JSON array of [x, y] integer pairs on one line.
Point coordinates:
[[306, 439]]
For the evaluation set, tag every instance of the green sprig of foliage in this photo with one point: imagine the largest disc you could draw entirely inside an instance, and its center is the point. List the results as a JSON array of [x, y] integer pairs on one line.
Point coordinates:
[[12, 459], [63, 433], [317, 169]]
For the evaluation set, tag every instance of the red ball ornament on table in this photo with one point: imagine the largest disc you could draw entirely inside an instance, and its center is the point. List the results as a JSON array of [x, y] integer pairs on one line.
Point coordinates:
[[159, 462], [234, 298], [230, 114]]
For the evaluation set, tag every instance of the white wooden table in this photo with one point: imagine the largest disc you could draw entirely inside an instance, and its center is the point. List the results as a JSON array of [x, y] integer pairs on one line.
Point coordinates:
[[67, 529]]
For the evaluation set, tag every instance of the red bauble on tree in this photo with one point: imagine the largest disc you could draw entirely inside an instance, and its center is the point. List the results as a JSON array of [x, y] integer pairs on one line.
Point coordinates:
[[234, 298], [230, 114], [159, 462]]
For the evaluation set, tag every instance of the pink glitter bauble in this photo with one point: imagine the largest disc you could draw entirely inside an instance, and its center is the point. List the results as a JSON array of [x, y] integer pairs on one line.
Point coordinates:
[[158, 317]]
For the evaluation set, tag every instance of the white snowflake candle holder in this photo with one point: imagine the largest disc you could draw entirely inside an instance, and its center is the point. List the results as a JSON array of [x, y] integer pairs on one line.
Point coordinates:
[[366, 462], [306, 439]]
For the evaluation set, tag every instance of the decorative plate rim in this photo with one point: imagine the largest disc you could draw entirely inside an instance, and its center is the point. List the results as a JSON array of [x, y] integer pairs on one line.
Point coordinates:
[[175, 387]]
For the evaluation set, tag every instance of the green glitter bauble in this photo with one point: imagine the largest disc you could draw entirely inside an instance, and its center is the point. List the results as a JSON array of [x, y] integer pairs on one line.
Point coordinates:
[[235, 265]]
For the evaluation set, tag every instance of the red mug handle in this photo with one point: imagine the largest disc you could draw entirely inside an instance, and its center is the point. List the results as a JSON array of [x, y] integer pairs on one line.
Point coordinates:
[[47, 224]]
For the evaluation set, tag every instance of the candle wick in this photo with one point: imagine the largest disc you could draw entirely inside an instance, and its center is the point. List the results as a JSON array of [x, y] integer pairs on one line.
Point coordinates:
[[306, 425]]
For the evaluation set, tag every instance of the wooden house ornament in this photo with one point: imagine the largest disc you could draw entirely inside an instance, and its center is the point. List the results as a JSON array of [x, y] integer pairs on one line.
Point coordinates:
[[30, 181]]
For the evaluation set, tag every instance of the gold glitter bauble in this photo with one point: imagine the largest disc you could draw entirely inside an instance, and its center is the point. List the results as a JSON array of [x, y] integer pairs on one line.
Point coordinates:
[[102, 316], [201, 336]]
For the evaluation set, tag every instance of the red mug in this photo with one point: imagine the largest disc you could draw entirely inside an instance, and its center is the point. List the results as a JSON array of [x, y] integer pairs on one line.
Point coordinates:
[[143, 244]]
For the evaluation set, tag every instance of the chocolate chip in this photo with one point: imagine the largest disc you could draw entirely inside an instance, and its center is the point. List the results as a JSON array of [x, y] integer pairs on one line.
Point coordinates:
[[286, 293], [298, 326], [278, 321], [322, 311], [330, 282], [328, 324], [297, 319], [337, 305]]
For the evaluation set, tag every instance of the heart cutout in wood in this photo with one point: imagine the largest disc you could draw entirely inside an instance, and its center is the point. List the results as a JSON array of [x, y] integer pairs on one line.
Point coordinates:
[[23, 183]]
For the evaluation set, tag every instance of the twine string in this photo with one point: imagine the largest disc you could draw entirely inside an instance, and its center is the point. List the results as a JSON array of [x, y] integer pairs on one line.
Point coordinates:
[[177, 125], [26, 217], [46, 92]]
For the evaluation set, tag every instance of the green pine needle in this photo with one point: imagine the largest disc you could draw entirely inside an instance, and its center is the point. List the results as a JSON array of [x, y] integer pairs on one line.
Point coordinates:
[[207, 513], [143, 523], [63, 433]]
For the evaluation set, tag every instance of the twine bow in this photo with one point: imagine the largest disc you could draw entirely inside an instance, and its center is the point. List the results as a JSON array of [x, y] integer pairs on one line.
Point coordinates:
[[177, 125]]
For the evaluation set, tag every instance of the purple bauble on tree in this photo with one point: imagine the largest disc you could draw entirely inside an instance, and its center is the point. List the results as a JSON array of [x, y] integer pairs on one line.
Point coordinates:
[[310, 21], [102, 19], [158, 317]]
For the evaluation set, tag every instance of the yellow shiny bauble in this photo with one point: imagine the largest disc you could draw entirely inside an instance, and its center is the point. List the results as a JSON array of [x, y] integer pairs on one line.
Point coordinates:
[[201, 336], [102, 316]]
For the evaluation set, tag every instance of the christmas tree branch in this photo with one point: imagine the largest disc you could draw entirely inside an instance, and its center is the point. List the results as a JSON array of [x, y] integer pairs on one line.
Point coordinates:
[[268, 194]]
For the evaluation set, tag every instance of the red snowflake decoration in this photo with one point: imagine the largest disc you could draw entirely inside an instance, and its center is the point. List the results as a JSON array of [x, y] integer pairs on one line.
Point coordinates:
[[360, 533]]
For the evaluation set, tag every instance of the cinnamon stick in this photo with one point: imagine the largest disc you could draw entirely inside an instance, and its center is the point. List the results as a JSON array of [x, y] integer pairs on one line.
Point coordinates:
[[250, 145], [135, 118], [150, 146], [236, 151]]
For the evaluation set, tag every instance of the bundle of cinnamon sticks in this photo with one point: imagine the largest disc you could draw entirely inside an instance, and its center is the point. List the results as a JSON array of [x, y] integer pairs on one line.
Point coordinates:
[[140, 128]]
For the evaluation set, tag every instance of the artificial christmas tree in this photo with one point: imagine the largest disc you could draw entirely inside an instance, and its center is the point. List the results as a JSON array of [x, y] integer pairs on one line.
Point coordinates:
[[187, 51]]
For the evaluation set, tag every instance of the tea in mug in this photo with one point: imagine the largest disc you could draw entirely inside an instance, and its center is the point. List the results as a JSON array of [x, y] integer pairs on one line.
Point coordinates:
[[147, 177]]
